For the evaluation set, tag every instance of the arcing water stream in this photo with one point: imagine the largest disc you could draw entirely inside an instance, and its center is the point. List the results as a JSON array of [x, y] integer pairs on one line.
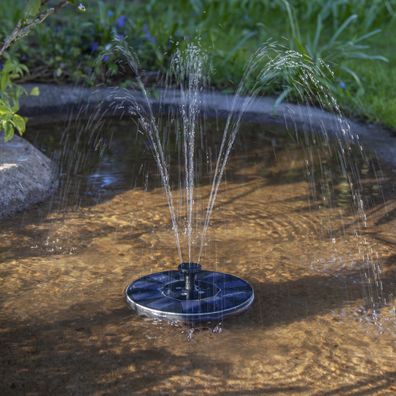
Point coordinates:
[[188, 73]]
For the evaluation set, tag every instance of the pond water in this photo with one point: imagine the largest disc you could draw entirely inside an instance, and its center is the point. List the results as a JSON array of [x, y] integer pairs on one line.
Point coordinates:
[[323, 321]]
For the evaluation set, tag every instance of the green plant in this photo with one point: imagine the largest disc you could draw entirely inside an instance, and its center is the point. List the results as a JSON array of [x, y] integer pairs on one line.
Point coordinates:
[[10, 93], [335, 50], [34, 13], [71, 48]]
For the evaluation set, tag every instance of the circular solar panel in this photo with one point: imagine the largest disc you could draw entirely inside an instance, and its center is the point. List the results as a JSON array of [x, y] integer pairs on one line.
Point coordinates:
[[174, 295]]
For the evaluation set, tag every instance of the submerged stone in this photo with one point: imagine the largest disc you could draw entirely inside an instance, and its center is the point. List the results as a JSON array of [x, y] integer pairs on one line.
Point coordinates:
[[27, 176]]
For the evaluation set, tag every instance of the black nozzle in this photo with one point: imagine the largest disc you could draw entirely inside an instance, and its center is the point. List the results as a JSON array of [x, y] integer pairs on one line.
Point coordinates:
[[189, 270]]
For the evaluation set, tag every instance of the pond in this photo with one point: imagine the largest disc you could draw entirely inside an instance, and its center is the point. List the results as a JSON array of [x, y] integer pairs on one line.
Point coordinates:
[[323, 320]]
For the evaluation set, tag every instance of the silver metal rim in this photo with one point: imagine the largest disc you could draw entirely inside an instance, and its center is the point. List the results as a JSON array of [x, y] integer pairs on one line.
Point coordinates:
[[190, 317]]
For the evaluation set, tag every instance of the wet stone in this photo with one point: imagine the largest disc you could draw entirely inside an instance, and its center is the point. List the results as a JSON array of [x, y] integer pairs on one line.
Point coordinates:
[[27, 176]]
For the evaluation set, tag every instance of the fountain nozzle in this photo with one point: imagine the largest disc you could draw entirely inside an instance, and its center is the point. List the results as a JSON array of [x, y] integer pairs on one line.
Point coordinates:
[[189, 271]]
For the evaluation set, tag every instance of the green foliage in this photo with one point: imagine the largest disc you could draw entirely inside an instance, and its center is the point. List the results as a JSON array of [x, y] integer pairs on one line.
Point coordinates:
[[32, 8], [32, 14], [9, 99], [74, 47], [10, 93], [338, 47]]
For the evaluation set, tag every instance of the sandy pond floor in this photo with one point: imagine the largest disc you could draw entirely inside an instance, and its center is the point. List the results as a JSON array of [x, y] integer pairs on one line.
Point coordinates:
[[65, 328]]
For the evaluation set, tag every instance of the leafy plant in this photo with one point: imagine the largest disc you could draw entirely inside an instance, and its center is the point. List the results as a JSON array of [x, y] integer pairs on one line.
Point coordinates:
[[10, 93], [33, 14], [70, 48], [335, 49]]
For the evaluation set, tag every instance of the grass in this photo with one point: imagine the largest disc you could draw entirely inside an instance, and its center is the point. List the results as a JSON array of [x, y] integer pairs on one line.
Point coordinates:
[[344, 33], [378, 102]]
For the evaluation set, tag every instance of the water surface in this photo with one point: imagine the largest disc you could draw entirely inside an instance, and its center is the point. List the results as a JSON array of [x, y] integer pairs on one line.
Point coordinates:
[[323, 321]]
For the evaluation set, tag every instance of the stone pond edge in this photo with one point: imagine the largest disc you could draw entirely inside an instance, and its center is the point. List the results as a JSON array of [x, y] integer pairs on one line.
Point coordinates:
[[65, 102]]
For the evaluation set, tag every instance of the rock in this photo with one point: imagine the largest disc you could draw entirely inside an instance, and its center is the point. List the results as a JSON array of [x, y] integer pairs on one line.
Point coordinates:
[[27, 176]]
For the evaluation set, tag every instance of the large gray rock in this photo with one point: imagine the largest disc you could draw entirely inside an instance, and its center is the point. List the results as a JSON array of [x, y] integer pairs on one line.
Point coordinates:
[[27, 176]]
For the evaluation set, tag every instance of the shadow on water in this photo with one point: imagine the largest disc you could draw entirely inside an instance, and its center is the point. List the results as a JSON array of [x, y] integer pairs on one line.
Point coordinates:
[[100, 351], [83, 363], [372, 385], [369, 386], [79, 356], [386, 218], [294, 300]]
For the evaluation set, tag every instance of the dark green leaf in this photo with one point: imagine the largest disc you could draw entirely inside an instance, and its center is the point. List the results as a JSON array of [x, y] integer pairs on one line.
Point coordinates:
[[32, 8], [8, 131]]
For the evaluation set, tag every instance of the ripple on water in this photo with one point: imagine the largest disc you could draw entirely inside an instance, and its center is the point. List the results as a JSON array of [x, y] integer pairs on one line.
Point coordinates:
[[66, 329]]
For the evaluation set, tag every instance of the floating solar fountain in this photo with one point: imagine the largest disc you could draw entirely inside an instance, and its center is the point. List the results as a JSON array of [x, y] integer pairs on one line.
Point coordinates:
[[189, 294]]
